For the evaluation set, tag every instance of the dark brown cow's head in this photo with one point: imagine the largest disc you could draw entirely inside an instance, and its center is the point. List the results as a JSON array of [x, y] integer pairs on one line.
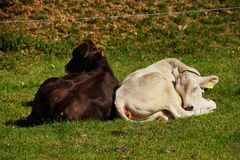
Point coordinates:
[[85, 57]]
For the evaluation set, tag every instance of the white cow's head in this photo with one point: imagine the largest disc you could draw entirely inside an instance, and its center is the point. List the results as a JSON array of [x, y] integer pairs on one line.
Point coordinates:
[[190, 86]]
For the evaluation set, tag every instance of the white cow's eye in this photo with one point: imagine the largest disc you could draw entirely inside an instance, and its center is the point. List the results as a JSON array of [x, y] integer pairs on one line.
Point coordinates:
[[195, 89]]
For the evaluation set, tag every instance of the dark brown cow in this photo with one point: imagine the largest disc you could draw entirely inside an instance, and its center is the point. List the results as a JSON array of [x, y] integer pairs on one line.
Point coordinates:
[[86, 92]]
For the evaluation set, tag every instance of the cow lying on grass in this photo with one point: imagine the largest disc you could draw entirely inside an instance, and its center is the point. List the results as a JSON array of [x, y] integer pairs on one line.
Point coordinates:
[[86, 92], [165, 89]]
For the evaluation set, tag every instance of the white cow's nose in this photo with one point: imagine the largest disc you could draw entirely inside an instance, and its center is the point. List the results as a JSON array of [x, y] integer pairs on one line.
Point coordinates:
[[189, 108]]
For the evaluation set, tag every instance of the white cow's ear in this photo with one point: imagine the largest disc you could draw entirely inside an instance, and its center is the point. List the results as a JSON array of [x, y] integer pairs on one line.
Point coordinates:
[[209, 81], [175, 72]]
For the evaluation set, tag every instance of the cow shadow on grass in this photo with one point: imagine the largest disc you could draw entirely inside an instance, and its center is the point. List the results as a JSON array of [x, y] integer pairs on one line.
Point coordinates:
[[27, 104], [22, 122]]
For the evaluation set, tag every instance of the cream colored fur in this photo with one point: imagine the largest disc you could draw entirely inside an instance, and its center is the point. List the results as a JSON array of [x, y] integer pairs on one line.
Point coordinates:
[[150, 93]]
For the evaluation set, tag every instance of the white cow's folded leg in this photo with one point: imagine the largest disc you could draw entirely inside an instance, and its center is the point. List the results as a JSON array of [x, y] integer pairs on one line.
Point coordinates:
[[157, 115], [178, 112]]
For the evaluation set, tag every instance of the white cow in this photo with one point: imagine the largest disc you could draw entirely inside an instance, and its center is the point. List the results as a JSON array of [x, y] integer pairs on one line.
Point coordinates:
[[167, 88]]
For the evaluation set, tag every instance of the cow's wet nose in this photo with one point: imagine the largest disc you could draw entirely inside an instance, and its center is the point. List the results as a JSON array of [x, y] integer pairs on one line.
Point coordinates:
[[189, 108]]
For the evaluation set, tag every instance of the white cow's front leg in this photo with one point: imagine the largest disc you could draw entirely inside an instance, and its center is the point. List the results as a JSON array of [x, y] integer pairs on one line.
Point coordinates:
[[157, 115], [178, 112]]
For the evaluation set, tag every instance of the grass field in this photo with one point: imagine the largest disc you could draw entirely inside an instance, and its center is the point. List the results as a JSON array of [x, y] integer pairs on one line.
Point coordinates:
[[32, 52]]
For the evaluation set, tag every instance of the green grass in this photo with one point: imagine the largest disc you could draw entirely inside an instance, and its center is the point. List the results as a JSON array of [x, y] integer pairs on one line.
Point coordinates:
[[210, 43]]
